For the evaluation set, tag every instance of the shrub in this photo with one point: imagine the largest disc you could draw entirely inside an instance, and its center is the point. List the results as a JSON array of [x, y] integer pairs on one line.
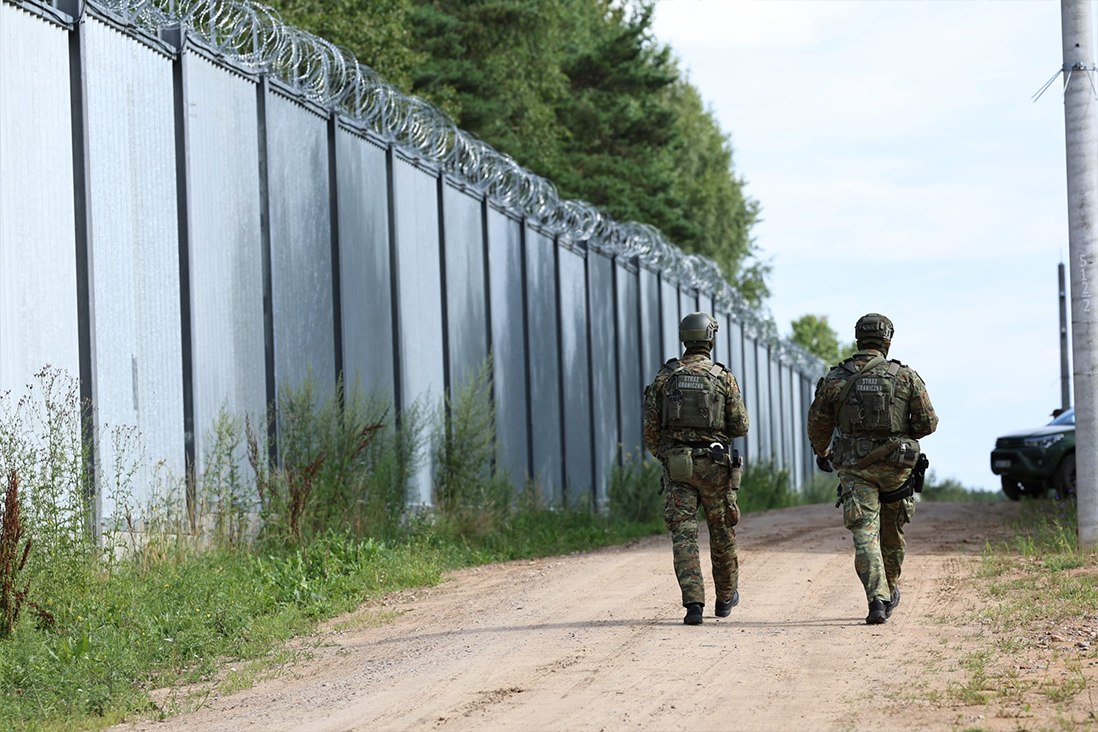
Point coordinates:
[[952, 490], [13, 558], [343, 463], [471, 494], [764, 486], [635, 491]]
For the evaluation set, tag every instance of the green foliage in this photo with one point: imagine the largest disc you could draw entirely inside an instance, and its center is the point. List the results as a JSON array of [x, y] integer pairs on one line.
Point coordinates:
[[635, 492], [718, 214], [814, 334], [951, 489], [474, 498], [342, 462], [377, 32], [765, 486]]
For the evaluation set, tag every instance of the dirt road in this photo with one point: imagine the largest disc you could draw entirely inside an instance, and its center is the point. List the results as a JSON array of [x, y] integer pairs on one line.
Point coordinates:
[[596, 642]]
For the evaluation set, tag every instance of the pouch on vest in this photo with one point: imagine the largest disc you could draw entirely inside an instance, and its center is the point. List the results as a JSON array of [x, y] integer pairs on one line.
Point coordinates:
[[870, 404], [907, 455], [680, 464], [694, 400]]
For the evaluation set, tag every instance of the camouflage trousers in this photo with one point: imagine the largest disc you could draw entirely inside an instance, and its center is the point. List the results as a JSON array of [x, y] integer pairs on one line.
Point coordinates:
[[708, 488], [878, 528]]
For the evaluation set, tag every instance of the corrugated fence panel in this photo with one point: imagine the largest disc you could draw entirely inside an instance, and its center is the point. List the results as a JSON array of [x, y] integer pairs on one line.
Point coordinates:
[[508, 344], [38, 323], [688, 302], [749, 384], [577, 375], [808, 392], [720, 343], [419, 292], [365, 276], [630, 369], [651, 341], [134, 250], [226, 250], [799, 427], [466, 304], [735, 362], [301, 244], [787, 422], [766, 414], [776, 410], [669, 317], [705, 304], [605, 370], [545, 386]]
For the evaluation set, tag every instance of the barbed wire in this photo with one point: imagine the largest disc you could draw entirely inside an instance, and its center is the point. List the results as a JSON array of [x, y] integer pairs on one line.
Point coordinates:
[[254, 36]]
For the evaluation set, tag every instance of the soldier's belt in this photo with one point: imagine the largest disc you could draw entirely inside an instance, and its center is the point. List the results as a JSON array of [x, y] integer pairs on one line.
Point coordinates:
[[879, 453], [705, 449]]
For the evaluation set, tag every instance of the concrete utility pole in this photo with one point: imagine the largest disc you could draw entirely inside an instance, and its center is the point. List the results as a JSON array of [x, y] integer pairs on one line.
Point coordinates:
[[1065, 354], [1082, 183]]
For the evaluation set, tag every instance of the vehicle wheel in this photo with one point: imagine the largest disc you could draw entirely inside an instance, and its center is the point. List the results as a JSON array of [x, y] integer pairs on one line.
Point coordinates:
[[1065, 478], [1012, 489]]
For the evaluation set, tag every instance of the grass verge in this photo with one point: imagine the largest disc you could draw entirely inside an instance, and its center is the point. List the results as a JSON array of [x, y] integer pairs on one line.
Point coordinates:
[[1031, 648]]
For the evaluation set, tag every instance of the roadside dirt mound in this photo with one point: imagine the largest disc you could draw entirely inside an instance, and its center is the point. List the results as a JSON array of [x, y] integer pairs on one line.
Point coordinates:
[[596, 641]]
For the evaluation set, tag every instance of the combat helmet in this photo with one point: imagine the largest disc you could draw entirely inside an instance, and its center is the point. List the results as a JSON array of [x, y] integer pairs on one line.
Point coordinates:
[[873, 330], [698, 329]]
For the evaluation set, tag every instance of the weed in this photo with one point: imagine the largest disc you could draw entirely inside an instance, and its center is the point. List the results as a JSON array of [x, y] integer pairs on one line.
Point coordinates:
[[635, 491], [472, 496], [13, 558]]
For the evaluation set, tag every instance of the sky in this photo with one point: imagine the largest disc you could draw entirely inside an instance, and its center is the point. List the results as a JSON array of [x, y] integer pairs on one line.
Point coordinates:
[[903, 168]]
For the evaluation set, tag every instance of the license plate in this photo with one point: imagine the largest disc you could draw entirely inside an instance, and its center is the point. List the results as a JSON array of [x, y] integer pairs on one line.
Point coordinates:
[[1001, 464]]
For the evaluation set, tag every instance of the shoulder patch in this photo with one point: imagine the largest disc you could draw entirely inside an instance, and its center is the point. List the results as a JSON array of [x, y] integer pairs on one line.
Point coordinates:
[[848, 365], [897, 361]]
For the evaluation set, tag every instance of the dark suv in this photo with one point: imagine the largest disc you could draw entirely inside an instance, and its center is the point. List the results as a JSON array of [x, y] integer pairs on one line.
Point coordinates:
[[1032, 461]]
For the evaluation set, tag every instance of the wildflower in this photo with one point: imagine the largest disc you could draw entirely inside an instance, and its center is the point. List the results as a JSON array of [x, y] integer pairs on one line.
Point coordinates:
[[79, 619]]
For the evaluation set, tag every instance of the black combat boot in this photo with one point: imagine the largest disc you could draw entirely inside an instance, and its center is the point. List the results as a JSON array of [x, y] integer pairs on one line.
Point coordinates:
[[693, 614], [893, 603], [877, 613], [724, 607]]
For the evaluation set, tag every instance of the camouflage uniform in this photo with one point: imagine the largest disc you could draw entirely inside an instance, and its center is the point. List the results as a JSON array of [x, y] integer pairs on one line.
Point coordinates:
[[709, 486], [878, 527]]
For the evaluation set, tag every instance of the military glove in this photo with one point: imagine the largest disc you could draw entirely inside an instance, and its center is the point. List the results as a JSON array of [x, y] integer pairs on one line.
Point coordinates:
[[824, 463]]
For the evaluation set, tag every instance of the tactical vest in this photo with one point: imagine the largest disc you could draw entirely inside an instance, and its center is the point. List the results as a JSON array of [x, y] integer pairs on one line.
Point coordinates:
[[694, 400], [869, 404]]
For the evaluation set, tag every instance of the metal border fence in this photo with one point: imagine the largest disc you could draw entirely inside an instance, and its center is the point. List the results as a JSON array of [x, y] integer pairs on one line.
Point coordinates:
[[200, 203]]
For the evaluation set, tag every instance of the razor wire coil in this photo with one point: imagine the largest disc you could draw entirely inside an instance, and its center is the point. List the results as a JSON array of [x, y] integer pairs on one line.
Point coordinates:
[[254, 36]]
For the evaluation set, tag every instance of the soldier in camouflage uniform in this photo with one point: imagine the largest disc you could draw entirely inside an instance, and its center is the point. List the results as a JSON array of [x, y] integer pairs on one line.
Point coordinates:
[[691, 411], [880, 409]]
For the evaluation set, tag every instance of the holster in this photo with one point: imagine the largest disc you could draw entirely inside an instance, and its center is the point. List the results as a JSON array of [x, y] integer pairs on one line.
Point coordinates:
[[913, 484]]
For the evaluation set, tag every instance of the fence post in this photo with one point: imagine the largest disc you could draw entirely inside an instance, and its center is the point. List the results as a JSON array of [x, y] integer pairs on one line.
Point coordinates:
[[85, 287]]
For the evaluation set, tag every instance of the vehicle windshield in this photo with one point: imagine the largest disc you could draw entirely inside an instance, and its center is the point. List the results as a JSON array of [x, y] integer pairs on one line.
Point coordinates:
[[1066, 417]]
